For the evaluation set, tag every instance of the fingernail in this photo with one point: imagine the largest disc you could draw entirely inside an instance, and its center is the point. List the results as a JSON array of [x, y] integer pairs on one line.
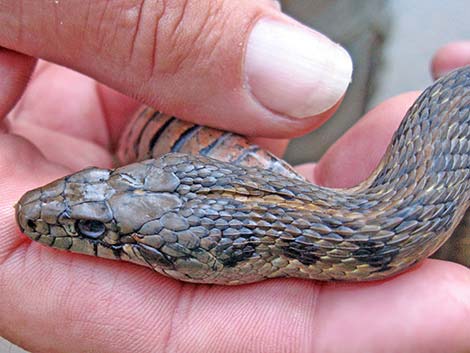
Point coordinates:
[[295, 71]]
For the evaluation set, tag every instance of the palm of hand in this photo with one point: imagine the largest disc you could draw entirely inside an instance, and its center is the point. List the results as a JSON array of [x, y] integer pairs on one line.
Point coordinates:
[[93, 304]]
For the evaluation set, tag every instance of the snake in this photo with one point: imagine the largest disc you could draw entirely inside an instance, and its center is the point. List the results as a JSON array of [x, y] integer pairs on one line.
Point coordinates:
[[203, 205]]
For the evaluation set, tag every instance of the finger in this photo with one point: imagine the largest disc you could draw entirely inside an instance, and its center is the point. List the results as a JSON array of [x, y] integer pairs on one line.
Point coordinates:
[[71, 152], [307, 171], [15, 71], [450, 57], [356, 154], [117, 108], [242, 66], [22, 168], [412, 306], [61, 114], [57, 95]]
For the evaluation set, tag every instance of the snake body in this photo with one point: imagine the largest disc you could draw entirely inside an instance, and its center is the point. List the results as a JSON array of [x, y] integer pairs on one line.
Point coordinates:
[[244, 216]]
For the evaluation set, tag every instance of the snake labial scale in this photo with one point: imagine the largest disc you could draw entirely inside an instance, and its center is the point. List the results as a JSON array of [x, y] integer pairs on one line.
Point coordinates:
[[203, 205]]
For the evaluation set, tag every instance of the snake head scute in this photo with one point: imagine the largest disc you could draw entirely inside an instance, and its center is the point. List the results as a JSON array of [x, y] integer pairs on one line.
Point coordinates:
[[96, 211]]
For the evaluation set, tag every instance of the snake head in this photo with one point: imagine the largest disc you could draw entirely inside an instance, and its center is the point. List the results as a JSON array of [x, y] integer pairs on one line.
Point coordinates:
[[69, 213], [98, 211]]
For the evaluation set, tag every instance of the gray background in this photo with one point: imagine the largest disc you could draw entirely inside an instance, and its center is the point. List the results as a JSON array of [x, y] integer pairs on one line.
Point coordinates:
[[413, 31]]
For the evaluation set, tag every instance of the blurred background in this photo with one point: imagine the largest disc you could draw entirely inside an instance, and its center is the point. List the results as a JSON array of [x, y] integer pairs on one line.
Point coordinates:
[[391, 43]]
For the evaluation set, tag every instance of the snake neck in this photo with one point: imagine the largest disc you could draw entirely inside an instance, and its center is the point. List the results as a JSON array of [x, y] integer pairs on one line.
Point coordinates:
[[428, 164], [432, 141], [420, 190], [402, 214]]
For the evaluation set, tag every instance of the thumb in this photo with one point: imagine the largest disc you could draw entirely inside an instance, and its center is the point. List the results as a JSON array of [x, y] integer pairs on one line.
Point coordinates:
[[238, 65]]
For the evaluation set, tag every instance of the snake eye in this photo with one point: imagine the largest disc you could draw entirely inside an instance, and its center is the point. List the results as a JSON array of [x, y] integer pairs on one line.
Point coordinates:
[[90, 228]]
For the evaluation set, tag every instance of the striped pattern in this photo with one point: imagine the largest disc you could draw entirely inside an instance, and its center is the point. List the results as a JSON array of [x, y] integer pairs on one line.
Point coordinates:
[[153, 134]]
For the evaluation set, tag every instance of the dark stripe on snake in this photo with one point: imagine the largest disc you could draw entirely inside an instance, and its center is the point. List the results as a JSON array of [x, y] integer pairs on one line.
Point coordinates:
[[209, 148], [245, 153], [160, 131], [185, 137], [141, 133]]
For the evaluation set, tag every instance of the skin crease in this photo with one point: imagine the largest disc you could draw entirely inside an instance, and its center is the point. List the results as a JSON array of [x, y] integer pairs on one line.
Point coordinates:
[[56, 302], [198, 42], [15, 71]]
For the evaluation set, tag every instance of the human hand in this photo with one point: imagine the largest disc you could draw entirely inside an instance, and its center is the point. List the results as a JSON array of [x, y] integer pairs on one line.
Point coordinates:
[[53, 301]]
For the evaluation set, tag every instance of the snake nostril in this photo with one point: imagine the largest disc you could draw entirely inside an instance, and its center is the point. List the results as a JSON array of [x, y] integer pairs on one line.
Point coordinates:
[[31, 224]]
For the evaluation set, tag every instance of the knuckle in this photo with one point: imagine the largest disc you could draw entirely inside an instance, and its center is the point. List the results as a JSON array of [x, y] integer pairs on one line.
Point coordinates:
[[111, 27], [191, 38], [173, 35], [122, 31], [160, 40]]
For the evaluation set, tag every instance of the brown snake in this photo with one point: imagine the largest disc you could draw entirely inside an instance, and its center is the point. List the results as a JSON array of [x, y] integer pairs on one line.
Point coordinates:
[[230, 213]]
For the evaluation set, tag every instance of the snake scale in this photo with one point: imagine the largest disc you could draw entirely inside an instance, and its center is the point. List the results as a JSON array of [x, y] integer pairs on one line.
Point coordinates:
[[202, 205]]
